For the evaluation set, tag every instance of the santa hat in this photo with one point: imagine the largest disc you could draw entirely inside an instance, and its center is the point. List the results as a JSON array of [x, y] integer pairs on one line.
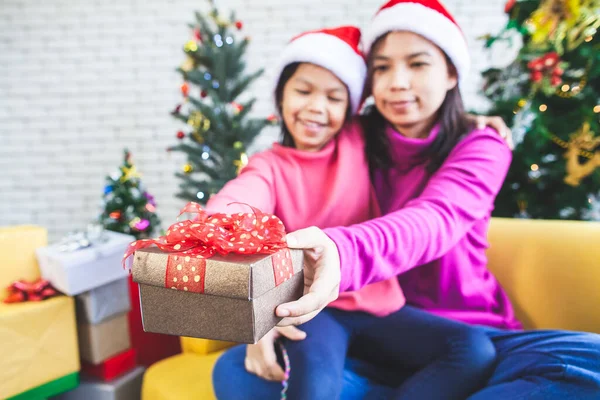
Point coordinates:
[[336, 49], [428, 18]]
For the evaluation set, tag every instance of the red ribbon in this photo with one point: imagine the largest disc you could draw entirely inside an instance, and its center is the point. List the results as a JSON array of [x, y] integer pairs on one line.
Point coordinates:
[[190, 242], [22, 291]]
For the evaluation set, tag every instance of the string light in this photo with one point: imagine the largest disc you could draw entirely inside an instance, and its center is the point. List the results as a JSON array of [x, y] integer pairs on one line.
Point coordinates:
[[597, 109], [543, 107], [565, 88], [535, 167]]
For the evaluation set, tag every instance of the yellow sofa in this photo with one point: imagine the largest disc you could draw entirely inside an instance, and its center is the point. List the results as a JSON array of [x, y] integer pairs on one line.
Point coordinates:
[[550, 270]]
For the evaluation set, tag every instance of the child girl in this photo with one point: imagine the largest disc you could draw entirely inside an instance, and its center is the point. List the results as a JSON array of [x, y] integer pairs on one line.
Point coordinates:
[[319, 175]]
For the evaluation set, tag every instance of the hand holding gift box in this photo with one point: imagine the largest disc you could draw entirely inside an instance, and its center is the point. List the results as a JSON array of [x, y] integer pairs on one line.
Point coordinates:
[[217, 276]]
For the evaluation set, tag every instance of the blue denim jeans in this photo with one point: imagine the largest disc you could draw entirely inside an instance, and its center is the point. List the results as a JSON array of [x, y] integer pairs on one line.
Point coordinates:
[[529, 364]]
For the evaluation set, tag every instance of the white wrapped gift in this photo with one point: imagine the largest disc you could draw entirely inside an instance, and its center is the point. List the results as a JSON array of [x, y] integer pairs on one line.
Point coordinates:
[[77, 271]]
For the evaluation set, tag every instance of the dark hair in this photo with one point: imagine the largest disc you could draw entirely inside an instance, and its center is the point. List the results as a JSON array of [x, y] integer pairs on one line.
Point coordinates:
[[286, 137], [451, 116]]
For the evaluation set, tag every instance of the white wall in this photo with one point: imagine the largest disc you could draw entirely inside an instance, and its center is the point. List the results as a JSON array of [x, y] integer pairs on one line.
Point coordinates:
[[80, 80]]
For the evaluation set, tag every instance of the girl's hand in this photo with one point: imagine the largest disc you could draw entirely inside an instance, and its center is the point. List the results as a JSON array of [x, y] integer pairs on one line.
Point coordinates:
[[496, 123], [261, 359]]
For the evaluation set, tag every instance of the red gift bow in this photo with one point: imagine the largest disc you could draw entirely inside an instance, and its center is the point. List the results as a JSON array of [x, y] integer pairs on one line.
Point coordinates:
[[207, 235], [22, 291]]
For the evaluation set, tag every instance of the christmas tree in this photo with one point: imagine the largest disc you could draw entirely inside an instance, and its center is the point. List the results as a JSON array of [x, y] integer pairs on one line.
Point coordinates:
[[219, 129], [550, 94], [128, 208]]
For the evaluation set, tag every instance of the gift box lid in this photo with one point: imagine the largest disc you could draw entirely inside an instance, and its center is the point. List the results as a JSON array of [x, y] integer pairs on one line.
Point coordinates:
[[114, 243], [233, 275]]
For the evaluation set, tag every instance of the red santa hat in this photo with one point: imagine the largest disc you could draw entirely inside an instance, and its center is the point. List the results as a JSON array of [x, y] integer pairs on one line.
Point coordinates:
[[428, 18], [336, 49]]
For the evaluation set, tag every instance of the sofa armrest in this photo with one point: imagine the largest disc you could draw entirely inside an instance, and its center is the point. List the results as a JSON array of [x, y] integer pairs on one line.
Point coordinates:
[[550, 270]]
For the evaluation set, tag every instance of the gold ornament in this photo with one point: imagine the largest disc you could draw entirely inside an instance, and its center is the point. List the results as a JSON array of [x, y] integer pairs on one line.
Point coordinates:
[[190, 46], [188, 65], [241, 163], [187, 168], [129, 173], [197, 137], [581, 143], [198, 121]]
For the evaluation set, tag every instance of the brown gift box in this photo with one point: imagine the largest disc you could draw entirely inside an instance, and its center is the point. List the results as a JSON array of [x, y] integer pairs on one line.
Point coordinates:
[[100, 342], [230, 298]]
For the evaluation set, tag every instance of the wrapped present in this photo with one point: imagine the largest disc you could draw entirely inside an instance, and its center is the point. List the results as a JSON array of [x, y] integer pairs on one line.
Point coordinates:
[[99, 342], [76, 271], [53, 388], [38, 345], [111, 368], [217, 277], [17, 254], [150, 347], [126, 387], [104, 302]]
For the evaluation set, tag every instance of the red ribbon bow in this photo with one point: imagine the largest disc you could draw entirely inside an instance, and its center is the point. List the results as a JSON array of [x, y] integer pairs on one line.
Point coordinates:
[[207, 235], [22, 291]]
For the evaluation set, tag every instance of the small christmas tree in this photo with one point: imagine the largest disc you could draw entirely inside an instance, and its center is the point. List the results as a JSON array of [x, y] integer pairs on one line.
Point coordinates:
[[551, 95], [219, 129], [128, 207]]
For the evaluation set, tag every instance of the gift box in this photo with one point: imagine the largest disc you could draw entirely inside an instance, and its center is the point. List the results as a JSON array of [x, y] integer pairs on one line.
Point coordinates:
[[149, 347], [17, 254], [230, 298], [38, 345], [217, 276], [127, 387], [104, 302], [99, 342], [53, 388], [112, 367], [75, 272]]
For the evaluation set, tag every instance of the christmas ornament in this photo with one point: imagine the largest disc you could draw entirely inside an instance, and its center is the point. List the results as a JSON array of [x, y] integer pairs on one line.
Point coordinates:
[[241, 163], [129, 173], [187, 168], [552, 20], [197, 35], [199, 121], [237, 108], [141, 225], [185, 89], [180, 135], [239, 25], [188, 65], [509, 6], [203, 94], [151, 208], [548, 66], [273, 119], [108, 189], [581, 144], [190, 46]]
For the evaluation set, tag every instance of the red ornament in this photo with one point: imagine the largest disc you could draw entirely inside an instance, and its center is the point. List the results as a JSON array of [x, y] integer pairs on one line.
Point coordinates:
[[238, 107], [272, 118], [115, 214], [536, 76], [197, 35], [509, 5], [185, 89], [180, 135], [555, 80], [558, 71], [239, 25], [203, 94]]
